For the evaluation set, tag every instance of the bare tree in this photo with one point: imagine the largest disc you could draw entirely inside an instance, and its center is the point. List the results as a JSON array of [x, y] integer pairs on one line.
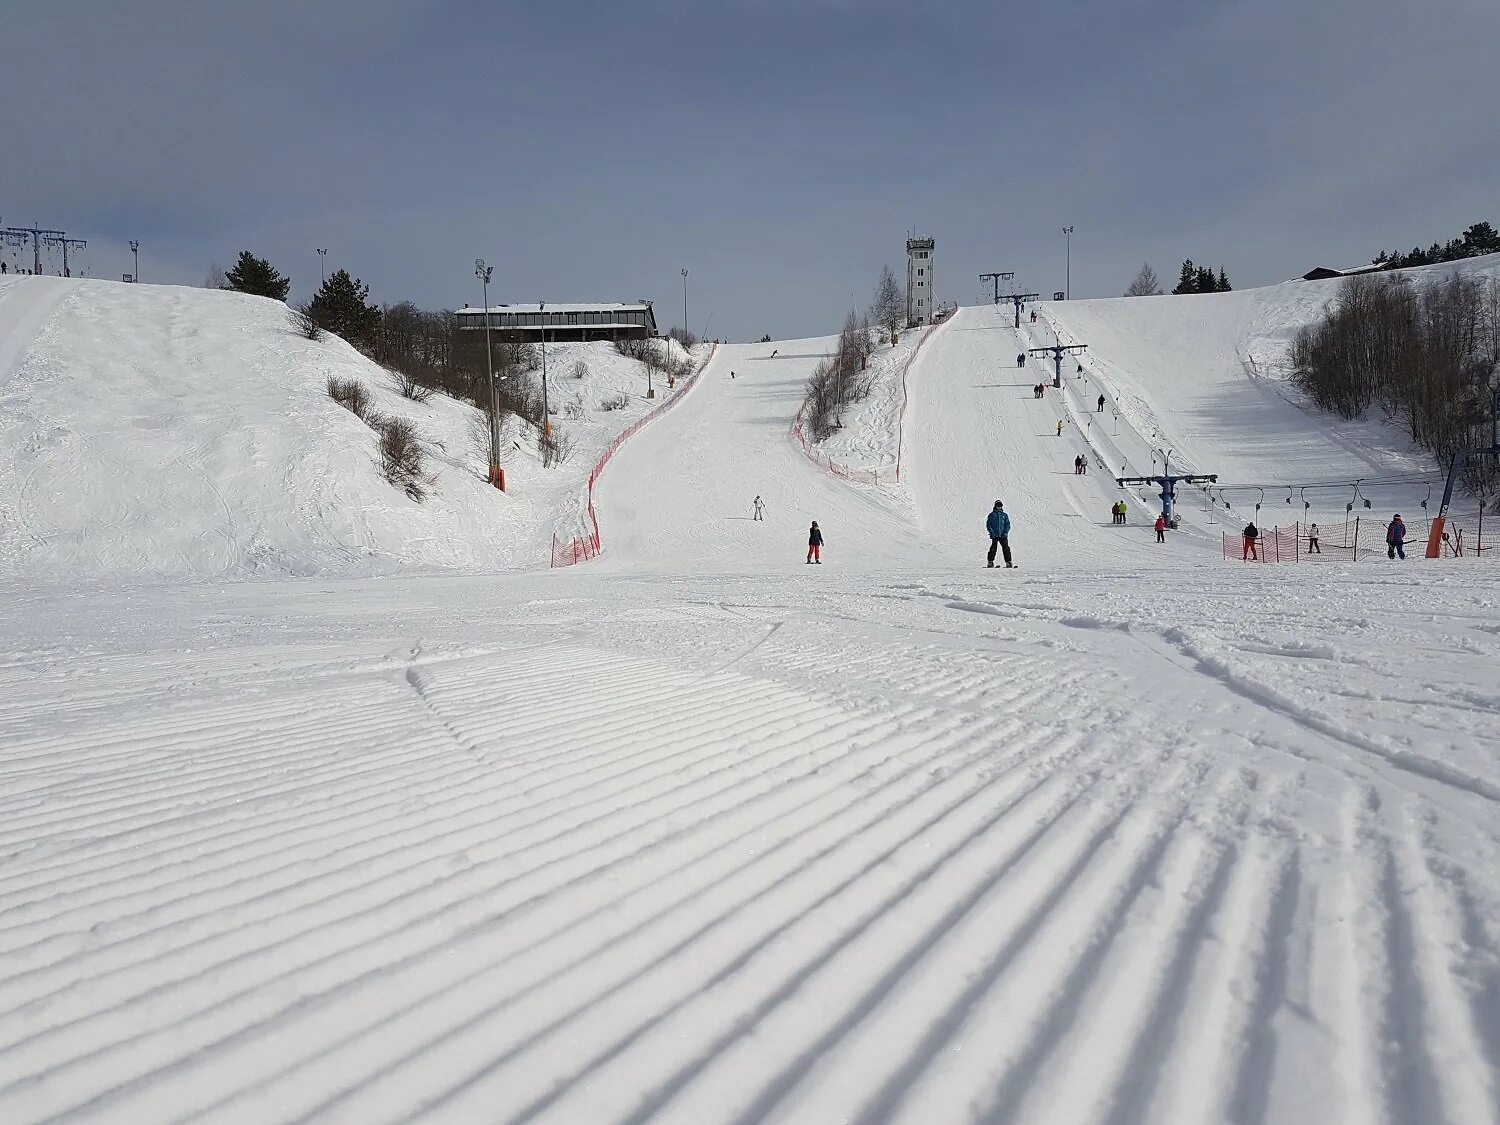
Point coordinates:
[[889, 309], [1145, 283], [303, 323], [215, 278]]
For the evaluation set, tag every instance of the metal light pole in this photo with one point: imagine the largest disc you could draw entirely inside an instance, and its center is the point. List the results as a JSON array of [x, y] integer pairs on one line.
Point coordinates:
[[497, 474], [684, 303], [135, 251], [546, 417], [323, 267], [1068, 277]]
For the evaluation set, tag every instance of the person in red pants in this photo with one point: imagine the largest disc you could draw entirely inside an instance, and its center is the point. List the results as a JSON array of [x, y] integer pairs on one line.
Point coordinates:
[[814, 544]]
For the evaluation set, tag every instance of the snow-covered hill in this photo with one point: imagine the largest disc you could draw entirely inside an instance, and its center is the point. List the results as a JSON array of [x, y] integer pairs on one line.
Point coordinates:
[[156, 430], [1206, 377]]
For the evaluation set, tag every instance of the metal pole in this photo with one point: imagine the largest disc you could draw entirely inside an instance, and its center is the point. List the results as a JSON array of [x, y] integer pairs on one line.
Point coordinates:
[[1068, 277], [546, 417], [323, 271], [135, 251], [497, 475], [684, 303]]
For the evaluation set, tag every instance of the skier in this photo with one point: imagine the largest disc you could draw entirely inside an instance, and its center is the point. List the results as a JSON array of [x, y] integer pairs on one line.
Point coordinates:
[[731, 374], [1250, 534], [1059, 427], [1114, 512], [1033, 316], [1312, 541], [1020, 359], [1161, 529], [773, 352], [1100, 410], [1122, 512], [998, 525], [1395, 538], [1077, 465], [814, 544], [760, 507]]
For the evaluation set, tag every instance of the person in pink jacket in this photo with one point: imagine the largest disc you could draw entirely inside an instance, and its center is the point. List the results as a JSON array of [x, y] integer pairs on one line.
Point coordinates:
[[1161, 529]]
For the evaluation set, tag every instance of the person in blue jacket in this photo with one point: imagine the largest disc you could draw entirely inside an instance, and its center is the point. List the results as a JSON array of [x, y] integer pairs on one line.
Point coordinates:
[[998, 525]]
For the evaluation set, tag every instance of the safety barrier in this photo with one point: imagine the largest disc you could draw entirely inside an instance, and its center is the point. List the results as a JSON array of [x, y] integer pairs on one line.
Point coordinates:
[[590, 543], [1349, 539], [845, 472]]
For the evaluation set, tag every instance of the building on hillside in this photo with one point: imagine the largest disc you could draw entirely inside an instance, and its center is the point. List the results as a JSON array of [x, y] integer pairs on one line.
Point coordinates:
[[1322, 273], [563, 321], [919, 281]]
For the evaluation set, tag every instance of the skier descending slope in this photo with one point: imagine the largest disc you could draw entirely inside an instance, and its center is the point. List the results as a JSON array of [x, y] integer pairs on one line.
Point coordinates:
[[998, 525], [815, 544]]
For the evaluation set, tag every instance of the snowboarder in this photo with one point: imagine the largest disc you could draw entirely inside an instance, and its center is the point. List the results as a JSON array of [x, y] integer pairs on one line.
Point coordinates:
[[1100, 409], [814, 544], [1161, 529], [1312, 541], [998, 525], [1395, 538], [731, 374], [1059, 427], [773, 352], [760, 507], [1250, 534]]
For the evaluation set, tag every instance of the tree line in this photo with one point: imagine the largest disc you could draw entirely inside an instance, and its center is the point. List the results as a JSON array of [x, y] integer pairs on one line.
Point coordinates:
[[1191, 279], [425, 349], [1426, 355], [1480, 238]]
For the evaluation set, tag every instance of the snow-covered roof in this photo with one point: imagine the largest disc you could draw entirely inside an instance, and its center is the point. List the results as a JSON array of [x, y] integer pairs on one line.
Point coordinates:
[[566, 307]]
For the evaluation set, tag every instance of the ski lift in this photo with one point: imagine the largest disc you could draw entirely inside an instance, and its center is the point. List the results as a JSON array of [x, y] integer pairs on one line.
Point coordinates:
[[1258, 503], [1426, 498], [1306, 503], [1349, 507], [1288, 494]]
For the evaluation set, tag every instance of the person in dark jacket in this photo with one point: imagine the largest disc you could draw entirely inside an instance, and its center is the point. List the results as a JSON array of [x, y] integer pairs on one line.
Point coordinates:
[[1395, 538], [814, 544], [998, 526], [1250, 534], [1101, 405]]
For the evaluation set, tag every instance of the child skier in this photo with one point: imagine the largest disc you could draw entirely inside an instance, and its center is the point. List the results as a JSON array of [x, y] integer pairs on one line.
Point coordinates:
[[1395, 538], [814, 544], [1312, 541]]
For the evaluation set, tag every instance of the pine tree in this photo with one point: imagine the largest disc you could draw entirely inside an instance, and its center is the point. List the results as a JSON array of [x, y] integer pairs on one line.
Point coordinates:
[[1481, 238], [1204, 281], [339, 306], [1187, 280], [256, 275], [1222, 285]]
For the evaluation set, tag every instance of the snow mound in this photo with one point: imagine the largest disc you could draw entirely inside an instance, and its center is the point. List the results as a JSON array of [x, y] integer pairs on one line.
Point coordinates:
[[160, 430]]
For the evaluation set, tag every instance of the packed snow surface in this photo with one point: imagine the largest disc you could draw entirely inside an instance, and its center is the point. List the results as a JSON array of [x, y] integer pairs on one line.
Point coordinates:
[[698, 832]]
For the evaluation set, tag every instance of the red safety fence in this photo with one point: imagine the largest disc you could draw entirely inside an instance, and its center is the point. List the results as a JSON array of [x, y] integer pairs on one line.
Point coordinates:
[[1350, 539], [566, 552], [845, 472]]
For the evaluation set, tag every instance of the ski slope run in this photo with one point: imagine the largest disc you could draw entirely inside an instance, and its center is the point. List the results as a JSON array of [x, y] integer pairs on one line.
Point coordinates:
[[582, 848]]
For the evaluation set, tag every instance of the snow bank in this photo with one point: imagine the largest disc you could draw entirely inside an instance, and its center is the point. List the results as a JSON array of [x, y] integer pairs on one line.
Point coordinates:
[[158, 430]]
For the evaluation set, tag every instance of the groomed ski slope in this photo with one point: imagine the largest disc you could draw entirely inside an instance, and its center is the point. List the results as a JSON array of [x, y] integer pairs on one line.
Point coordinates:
[[698, 833]]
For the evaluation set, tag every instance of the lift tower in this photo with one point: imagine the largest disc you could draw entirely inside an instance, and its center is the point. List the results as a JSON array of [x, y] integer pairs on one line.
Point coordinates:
[[997, 278], [1168, 481], [1056, 351], [1019, 299]]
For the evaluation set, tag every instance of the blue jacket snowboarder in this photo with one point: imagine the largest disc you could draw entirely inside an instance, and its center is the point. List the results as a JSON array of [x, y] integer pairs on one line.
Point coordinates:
[[998, 525]]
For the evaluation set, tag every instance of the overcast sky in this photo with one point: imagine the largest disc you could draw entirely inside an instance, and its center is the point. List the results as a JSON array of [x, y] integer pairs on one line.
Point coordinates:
[[778, 149]]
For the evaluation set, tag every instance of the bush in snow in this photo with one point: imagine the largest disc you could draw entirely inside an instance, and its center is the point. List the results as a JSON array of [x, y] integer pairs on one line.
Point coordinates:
[[580, 370], [555, 447], [410, 388], [351, 395], [574, 408], [303, 322], [402, 458], [615, 402]]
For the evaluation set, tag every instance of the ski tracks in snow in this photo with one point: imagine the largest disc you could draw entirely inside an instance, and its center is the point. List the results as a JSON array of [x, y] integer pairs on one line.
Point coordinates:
[[861, 856]]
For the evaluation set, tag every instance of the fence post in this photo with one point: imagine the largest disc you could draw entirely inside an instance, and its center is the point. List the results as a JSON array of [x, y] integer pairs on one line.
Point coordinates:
[[1356, 539]]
